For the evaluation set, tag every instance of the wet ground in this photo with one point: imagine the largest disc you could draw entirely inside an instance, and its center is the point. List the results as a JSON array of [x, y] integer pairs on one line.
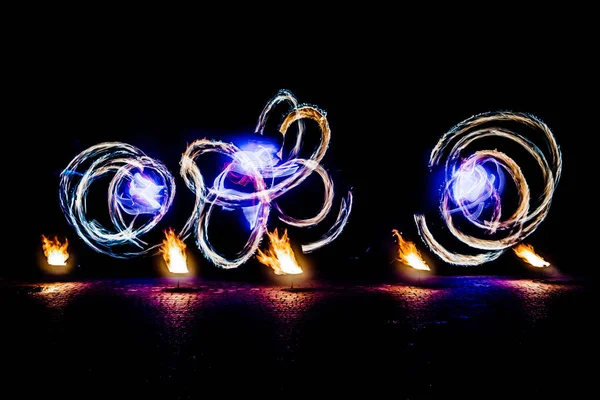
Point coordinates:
[[459, 337]]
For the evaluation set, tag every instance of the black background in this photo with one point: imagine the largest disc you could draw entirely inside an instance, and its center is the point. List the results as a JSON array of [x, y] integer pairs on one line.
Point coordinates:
[[388, 99]]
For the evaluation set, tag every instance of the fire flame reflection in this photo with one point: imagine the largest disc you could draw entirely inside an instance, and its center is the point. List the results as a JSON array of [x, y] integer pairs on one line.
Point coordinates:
[[526, 252], [279, 255], [173, 251], [409, 254], [56, 252]]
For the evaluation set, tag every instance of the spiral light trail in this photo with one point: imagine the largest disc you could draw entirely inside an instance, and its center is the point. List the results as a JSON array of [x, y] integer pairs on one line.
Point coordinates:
[[140, 193], [474, 182]]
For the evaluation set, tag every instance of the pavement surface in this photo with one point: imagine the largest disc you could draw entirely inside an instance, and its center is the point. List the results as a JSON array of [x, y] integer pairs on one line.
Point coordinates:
[[460, 337]]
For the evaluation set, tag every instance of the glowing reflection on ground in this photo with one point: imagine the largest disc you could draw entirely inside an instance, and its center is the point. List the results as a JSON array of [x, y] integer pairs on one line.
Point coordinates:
[[536, 295], [58, 295], [418, 301]]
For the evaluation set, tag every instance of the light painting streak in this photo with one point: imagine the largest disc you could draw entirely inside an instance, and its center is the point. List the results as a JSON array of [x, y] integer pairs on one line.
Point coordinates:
[[469, 186], [271, 177], [140, 186]]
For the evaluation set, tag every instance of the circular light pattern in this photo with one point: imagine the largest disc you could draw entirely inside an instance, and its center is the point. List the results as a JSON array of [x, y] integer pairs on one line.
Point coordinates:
[[270, 175], [142, 190], [140, 193], [474, 184]]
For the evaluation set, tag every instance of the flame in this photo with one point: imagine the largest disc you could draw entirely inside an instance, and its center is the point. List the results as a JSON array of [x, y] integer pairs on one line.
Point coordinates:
[[279, 255], [55, 251], [173, 251], [409, 254], [526, 252]]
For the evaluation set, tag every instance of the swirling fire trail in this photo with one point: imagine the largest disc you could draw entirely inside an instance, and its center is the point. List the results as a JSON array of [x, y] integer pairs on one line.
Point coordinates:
[[474, 184]]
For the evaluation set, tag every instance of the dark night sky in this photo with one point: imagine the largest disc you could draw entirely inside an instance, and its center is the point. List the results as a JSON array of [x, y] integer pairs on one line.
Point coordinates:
[[385, 113]]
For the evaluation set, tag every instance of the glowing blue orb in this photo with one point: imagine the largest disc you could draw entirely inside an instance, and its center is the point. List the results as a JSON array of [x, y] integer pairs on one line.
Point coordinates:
[[471, 184], [142, 195], [255, 155]]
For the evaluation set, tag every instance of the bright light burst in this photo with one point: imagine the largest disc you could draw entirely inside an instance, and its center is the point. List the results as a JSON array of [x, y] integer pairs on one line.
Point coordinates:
[[143, 196], [55, 251], [140, 187], [527, 253], [279, 255], [271, 177], [474, 183], [409, 254], [173, 251]]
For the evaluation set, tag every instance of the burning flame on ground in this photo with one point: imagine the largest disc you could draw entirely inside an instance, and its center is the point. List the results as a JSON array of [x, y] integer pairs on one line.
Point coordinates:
[[279, 255], [409, 254], [526, 252], [55, 251], [173, 251]]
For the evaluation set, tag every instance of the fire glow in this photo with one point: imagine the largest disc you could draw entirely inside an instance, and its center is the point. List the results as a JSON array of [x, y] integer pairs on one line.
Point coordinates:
[[279, 255], [409, 254], [173, 251], [56, 252], [526, 252]]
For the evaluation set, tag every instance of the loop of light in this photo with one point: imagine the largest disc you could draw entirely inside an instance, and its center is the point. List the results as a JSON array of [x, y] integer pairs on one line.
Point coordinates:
[[469, 186], [142, 190], [139, 186], [271, 177]]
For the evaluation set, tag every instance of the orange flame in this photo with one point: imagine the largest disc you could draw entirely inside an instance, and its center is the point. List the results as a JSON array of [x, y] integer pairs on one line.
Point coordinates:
[[55, 251], [173, 251], [409, 254], [526, 252], [279, 255]]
